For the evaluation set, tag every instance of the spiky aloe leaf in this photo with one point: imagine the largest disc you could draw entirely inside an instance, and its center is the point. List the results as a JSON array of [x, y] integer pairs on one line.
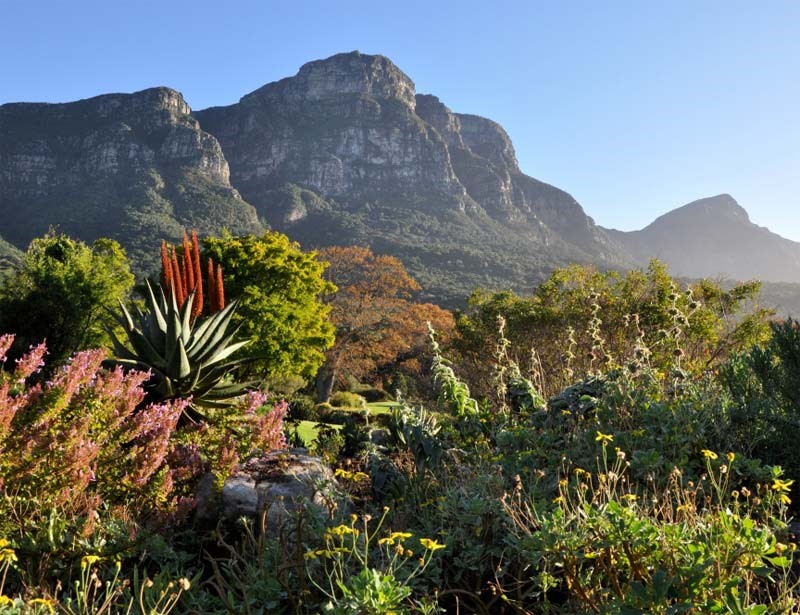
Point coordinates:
[[157, 326], [178, 367], [186, 356], [186, 320], [212, 336]]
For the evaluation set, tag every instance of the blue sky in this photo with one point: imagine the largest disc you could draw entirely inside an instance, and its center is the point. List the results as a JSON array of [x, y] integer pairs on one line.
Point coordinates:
[[635, 107]]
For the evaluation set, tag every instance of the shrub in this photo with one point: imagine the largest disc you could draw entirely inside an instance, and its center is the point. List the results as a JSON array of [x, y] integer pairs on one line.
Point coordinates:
[[329, 443], [62, 293], [765, 387], [345, 399], [303, 408], [374, 394], [88, 423], [323, 409]]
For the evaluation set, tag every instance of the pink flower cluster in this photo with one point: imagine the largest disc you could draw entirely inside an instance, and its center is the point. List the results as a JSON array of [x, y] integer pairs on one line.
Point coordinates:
[[84, 432]]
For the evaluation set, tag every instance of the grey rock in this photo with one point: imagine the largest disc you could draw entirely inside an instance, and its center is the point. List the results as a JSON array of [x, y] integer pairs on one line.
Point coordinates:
[[278, 483]]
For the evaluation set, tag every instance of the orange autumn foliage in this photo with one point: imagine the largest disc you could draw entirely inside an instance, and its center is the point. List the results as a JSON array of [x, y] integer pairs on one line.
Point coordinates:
[[377, 321]]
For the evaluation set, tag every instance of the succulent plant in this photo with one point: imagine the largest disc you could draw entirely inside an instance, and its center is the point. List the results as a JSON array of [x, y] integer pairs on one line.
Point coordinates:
[[187, 356]]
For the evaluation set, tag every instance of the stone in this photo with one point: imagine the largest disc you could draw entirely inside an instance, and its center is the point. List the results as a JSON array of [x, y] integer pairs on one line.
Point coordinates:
[[278, 482]]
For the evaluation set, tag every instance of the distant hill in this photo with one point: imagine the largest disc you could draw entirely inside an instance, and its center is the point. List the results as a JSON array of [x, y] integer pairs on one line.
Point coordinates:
[[714, 237], [134, 167]]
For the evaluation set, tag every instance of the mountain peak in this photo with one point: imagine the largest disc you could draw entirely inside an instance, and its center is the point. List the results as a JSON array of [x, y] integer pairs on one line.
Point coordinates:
[[713, 209], [714, 237], [343, 74]]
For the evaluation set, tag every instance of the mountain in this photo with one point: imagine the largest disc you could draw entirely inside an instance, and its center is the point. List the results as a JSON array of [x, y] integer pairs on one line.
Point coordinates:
[[134, 167], [346, 152], [714, 237]]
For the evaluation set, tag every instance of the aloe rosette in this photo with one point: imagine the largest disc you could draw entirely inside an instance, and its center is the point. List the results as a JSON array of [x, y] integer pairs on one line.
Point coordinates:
[[187, 356]]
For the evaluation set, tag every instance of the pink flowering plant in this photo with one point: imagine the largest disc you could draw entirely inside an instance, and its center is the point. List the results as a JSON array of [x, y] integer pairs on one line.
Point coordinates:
[[82, 438], [85, 437]]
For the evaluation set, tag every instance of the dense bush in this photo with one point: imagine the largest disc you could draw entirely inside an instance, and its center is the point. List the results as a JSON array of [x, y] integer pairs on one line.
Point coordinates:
[[764, 384], [346, 399], [62, 292], [89, 469], [303, 408], [582, 320]]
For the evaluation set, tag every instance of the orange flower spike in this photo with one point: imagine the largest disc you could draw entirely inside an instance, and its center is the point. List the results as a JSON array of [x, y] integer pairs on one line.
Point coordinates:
[[198, 276], [166, 268], [186, 261], [211, 287], [220, 289], [177, 280]]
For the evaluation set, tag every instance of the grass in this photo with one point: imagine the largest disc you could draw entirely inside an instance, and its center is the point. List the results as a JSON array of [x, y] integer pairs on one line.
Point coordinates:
[[307, 430], [381, 407]]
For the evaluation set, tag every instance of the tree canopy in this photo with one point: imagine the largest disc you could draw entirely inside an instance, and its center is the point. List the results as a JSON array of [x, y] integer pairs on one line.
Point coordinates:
[[61, 293], [280, 289], [378, 323]]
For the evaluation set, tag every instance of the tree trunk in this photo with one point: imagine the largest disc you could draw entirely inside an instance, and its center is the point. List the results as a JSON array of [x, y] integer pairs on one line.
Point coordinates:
[[323, 381]]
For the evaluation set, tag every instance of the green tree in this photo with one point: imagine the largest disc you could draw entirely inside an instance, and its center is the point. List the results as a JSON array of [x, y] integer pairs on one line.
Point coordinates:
[[61, 293], [279, 288]]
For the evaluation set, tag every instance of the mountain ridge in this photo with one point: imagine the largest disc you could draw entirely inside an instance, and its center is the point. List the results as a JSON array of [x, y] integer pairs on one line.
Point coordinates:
[[133, 167], [344, 152]]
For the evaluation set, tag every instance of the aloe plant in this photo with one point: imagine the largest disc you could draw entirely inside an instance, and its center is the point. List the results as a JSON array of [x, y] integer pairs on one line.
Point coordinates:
[[187, 356]]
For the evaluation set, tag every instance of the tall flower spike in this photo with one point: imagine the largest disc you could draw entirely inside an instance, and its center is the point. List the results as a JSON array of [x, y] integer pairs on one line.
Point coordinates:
[[211, 288], [198, 276], [166, 268], [180, 296], [187, 265], [220, 290]]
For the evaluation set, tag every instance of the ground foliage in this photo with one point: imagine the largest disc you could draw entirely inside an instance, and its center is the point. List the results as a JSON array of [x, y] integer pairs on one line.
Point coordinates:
[[639, 476]]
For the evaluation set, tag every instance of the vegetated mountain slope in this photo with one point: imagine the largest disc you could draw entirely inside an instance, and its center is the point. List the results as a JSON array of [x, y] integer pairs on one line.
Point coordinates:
[[784, 297], [346, 152], [10, 257], [134, 167], [714, 237]]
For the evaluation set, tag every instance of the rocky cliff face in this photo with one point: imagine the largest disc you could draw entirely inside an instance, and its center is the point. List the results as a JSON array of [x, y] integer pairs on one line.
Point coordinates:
[[347, 152], [344, 128], [135, 167], [714, 237]]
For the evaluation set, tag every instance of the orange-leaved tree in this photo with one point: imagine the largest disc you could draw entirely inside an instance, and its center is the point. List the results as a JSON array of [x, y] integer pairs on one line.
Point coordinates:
[[378, 322]]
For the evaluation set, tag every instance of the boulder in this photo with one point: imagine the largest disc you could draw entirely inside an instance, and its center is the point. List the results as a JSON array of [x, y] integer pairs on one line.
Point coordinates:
[[278, 482]]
